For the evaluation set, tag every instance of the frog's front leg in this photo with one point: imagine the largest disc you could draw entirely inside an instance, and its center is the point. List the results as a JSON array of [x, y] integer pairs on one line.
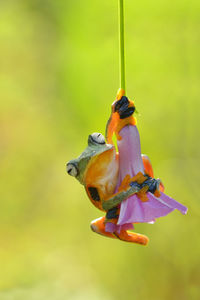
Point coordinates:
[[121, 115], [149, 170], [147, 165]]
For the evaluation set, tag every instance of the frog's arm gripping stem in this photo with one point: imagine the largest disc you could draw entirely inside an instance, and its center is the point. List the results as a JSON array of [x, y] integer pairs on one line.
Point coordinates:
[[121, 115]]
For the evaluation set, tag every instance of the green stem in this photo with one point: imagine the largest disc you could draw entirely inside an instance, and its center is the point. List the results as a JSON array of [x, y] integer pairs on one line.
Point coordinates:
[[121, 37]]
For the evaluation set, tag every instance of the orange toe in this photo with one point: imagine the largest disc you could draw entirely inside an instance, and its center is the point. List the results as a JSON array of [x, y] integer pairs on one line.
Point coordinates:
[[132, 237], [98, 226]]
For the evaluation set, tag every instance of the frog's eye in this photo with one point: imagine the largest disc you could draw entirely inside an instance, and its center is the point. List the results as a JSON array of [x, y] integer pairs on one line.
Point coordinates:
[[97, 138], [72, 169]]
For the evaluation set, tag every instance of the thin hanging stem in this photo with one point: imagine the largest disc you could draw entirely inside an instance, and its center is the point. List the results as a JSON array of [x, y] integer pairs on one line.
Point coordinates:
[[122, 52]]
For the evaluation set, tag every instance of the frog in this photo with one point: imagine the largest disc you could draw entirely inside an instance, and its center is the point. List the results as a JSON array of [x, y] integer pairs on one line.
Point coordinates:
[[97, 169], [119, 180]]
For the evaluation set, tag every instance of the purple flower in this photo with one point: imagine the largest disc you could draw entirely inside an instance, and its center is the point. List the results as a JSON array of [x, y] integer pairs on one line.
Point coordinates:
[[133, 210]]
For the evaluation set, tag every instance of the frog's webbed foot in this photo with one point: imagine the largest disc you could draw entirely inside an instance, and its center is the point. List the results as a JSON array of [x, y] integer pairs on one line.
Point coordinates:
[[132, 237], [98, 226], [152, 183], [124, 107]]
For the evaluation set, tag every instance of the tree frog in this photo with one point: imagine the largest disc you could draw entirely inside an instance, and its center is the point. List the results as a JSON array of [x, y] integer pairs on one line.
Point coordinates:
[[97, 169], [121, 183]]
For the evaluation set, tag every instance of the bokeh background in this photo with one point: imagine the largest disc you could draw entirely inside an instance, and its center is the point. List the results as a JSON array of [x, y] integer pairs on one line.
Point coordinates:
[[58, 78]]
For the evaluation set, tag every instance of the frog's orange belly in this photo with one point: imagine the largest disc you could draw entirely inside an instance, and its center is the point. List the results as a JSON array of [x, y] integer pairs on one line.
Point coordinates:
[[97, 192], [101, 177]]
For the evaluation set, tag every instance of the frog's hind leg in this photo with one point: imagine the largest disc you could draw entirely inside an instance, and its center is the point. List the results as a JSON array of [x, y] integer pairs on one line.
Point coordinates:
[[98, 226], [132, 237]]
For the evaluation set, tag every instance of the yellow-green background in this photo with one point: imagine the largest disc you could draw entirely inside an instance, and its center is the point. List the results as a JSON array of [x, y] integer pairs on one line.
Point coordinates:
[[58, 78]]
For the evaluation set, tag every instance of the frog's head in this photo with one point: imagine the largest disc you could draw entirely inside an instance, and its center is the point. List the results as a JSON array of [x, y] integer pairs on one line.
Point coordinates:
[[96, 146]]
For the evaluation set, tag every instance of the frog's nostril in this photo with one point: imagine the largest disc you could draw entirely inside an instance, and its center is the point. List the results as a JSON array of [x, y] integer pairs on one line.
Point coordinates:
[[72, 169]]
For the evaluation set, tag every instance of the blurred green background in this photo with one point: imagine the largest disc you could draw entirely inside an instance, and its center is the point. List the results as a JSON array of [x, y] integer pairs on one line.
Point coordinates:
[[58, 78]]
